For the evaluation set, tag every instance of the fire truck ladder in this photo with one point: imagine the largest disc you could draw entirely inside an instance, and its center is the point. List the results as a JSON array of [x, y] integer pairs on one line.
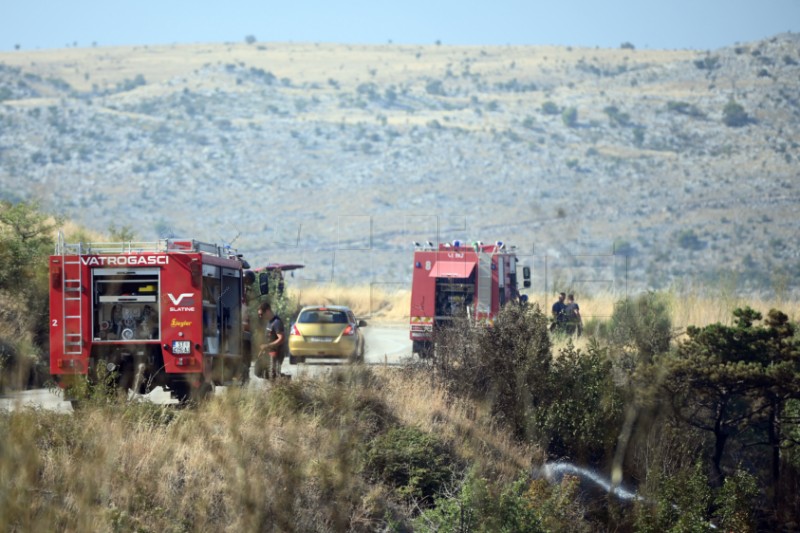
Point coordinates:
[[71, 305]]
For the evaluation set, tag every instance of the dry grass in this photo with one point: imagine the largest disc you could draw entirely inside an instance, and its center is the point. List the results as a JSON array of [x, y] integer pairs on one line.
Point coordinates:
[[418, 403], [309, 62], [686, 308], [372, 301], [282, 459]]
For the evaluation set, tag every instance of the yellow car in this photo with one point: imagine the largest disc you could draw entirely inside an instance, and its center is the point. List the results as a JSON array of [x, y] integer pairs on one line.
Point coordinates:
[[326, 332]]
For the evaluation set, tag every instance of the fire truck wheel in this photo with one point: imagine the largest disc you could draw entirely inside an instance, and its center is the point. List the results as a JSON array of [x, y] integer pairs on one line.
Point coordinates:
[[181, 391]]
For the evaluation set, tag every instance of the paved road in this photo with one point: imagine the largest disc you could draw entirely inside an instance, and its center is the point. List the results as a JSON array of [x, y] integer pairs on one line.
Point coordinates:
[[385, 345]]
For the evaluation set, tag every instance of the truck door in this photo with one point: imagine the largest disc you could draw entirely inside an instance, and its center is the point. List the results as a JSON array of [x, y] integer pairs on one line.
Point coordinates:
[[230, 310]]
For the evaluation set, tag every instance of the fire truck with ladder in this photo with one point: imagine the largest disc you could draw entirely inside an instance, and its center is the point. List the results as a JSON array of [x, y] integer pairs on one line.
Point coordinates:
[[456, 279], [166, 313]]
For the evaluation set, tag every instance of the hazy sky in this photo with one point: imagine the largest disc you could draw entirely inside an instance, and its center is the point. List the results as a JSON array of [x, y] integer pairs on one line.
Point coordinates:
[[697, 24]]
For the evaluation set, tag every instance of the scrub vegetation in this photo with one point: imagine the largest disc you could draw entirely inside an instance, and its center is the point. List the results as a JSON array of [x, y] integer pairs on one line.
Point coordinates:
[[692, 405]]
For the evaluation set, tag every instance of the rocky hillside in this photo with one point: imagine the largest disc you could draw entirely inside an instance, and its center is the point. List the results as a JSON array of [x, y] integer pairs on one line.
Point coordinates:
[[610, 169]]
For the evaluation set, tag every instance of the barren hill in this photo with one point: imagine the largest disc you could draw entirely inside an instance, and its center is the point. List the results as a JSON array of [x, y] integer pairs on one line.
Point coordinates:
[[616, 169]]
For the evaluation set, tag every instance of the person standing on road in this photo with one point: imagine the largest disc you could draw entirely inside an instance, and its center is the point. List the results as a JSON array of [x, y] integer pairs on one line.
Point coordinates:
[[275, 341], [559, 314]]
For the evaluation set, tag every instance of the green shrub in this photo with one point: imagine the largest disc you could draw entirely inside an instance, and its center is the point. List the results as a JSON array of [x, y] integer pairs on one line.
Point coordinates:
[[481, 507], [707, 63], [682, 503], [617, 117], [415, 463], [582, 414], [529, 122], [684, 108], [734, 115], [550, 108], [689, 240], [435, 87], [642, 326], [570, 117]]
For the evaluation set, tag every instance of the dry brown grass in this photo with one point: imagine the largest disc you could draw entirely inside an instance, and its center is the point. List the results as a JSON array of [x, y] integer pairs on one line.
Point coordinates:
[[281, 459], [367, 301], [308, 62], [468, 424], [686, 308]]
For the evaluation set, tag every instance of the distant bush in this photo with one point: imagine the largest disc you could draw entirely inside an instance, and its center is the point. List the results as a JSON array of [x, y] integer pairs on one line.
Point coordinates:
[[684, 108], [638, 136], [250, 39], [268, 77], [707, 63], [435, 87], [734, 115], [570, 117], [627, 46], [131, 84], [550, 108], [528, 122], [516, 86], [617, 117], [688, 240]]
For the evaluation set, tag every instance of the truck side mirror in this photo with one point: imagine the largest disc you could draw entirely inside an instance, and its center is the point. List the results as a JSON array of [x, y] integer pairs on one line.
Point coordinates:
[[526, 277], [263, 283]]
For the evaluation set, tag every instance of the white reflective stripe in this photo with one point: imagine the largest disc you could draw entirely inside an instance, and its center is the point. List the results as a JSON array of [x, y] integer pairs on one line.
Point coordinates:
[[484, 283], [501, 271]]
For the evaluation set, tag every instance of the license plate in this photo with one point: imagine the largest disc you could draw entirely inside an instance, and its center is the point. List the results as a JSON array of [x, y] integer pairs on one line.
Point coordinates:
[[181, 347], [319, 339]]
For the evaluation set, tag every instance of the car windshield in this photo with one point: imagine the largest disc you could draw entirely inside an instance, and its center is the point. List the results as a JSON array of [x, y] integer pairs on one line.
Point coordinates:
[[322, 316]]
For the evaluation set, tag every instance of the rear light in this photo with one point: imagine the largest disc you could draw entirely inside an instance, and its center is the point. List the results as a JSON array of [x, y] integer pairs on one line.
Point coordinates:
[[295, 332], [349, 331], [69, 364]]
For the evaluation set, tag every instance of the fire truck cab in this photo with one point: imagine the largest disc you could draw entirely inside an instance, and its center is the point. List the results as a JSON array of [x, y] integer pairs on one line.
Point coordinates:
[[166, 313], [456, 279]]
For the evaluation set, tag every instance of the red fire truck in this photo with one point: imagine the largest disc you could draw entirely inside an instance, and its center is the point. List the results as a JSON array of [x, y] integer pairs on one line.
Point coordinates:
[[167, 313], [456, 279]]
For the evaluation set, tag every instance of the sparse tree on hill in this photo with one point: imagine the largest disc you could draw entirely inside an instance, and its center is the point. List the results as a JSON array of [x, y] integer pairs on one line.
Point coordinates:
[[570, 117], [734, 115]]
